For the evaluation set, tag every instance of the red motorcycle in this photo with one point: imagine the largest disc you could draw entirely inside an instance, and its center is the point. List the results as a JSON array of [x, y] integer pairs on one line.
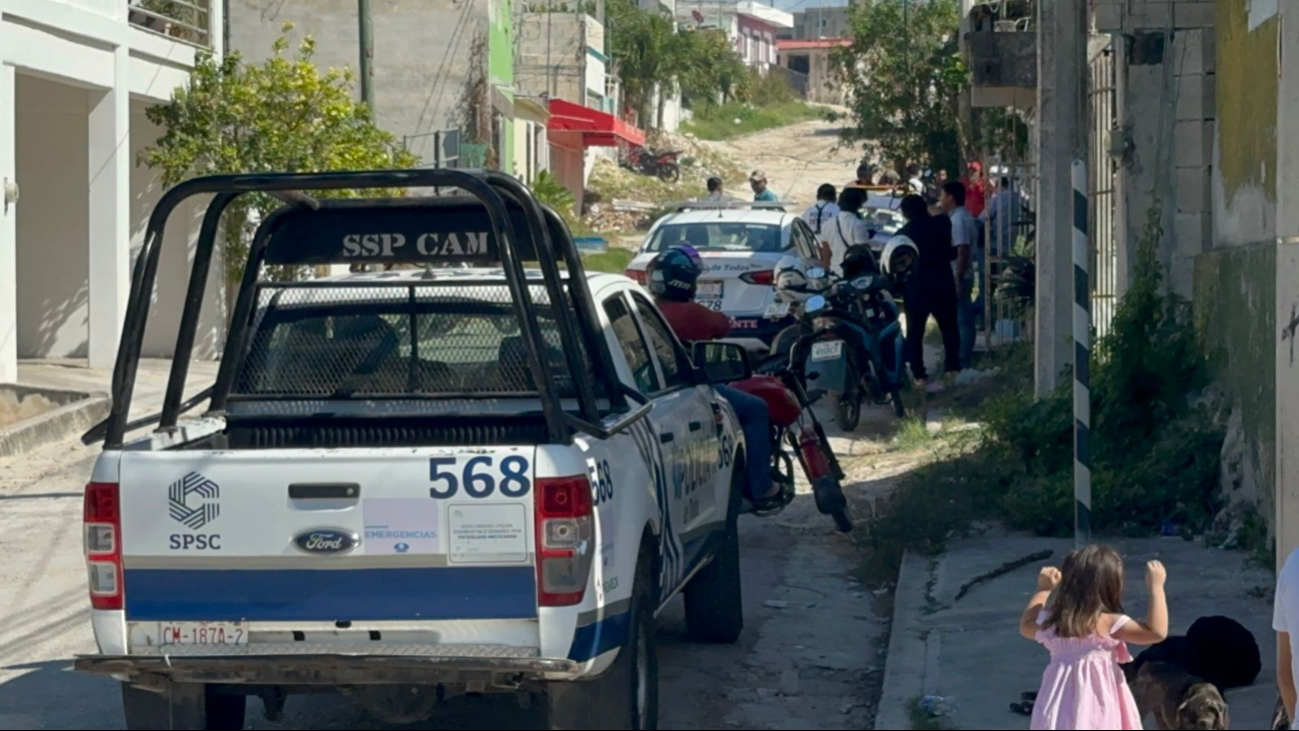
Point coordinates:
[[662, 165], [796, 432]]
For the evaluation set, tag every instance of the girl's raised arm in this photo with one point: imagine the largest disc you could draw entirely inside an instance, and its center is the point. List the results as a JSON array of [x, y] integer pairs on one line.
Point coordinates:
[[1047, 580], [1155, 629]]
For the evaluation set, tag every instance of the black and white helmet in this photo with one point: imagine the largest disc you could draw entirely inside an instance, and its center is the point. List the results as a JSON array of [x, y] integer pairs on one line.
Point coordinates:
[[791, 278], [899, 259]]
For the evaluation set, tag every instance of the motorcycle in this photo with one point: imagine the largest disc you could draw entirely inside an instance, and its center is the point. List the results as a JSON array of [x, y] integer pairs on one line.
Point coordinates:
[[797, 434], [662, 165], [850, 344]]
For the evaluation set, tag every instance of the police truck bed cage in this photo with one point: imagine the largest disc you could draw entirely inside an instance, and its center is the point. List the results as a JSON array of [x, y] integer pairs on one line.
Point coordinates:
[[497, 223], [726, 206]]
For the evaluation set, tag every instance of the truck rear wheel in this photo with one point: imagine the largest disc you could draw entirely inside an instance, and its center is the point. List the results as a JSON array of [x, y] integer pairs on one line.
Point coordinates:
[[626, 697], [181, 706], [714, 598]]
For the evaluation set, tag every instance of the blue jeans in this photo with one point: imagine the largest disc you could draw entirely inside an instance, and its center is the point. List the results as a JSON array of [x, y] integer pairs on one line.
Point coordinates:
[[755, 420], [967, 312]]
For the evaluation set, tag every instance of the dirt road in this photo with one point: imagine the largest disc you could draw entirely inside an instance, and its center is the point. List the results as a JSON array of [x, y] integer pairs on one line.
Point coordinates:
[[796, 159]]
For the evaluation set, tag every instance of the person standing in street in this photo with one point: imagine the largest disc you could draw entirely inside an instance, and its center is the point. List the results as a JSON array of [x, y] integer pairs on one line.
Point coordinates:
[[1285, 620], [821, 217], [716, 193], [846, 229], [762, 193], [976, 189], [965, 237], [932, 291], [915, 183], [865, 175], [999, 220]]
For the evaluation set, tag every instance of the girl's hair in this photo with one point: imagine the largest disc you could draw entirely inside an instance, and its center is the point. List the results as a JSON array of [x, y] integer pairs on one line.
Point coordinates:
[[852, 199], [1092, 585]]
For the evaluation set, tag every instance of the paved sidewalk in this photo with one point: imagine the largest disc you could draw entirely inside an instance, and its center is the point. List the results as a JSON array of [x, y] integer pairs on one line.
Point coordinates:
[[970, 651], [150, 380]]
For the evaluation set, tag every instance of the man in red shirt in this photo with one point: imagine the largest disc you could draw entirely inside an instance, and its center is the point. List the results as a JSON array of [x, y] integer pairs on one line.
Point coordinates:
[[976, 190], [672, 278]]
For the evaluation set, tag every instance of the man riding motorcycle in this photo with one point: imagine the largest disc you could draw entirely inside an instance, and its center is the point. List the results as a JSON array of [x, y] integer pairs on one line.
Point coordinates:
[[673, 277]]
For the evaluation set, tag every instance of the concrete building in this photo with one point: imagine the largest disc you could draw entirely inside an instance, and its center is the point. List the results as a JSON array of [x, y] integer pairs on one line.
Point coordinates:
[[752, 26], [820, 22], [810, 61], [562, 61], [427, 54], [76, 77]]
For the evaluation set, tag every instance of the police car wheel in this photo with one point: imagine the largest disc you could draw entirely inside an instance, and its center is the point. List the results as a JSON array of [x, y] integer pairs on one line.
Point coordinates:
[[181, 706], [626, 696], [715, 598]]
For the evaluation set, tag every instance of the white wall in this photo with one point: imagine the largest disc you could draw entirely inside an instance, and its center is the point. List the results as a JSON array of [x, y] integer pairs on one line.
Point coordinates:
[[177, 255], [53, 269]]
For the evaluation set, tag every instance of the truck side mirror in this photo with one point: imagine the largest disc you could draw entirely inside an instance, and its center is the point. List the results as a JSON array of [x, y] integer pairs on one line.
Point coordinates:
[[722, 362]]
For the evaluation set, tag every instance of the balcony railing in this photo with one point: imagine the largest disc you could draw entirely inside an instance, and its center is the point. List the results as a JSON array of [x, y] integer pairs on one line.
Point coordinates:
[[182, 20]]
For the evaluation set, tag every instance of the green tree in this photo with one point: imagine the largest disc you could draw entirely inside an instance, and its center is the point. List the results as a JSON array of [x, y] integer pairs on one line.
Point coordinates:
[[906, 78], [707, 67], [642, 49], [284, 115]]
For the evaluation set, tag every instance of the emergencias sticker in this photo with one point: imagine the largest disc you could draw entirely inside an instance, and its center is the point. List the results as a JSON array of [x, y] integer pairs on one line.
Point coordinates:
[[398, 526]]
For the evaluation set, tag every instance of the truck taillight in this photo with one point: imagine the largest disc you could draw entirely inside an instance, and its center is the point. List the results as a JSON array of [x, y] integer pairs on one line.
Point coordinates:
[[637, 275], [102, 524], [565, 540]]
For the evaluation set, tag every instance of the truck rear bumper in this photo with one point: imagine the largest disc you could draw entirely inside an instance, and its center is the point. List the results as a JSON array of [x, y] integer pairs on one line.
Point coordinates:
[[328, 670]]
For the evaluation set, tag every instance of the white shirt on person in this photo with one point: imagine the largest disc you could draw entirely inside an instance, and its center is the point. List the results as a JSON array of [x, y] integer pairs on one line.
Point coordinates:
[[821, 217], [847, 229], [965, 232], [1285, 610]]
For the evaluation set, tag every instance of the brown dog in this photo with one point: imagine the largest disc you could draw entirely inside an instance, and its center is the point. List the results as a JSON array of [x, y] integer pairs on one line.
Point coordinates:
[[1177, 699]]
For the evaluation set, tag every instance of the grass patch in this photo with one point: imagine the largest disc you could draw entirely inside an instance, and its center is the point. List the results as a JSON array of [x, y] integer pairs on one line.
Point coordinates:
[[913, 434], [614, 261], [732, 120]]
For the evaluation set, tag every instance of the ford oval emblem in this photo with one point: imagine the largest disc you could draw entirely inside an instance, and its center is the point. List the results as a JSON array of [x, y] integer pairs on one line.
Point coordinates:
[[326, 541]]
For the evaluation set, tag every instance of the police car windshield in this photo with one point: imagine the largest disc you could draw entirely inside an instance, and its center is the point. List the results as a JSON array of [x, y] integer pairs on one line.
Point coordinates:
[[719, 236]]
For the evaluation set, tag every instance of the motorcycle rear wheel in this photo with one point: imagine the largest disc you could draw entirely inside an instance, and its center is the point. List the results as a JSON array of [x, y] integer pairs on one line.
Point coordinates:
[[669, 173]]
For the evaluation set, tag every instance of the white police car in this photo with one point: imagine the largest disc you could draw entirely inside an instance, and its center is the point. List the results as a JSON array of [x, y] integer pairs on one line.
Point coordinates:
[[740, 245], [414, 485]]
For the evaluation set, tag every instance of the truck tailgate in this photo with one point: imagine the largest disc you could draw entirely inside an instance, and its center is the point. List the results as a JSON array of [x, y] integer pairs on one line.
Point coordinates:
[[286, 536]]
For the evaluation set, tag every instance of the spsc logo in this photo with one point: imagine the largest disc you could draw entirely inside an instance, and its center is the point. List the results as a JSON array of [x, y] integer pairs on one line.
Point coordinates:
[[194, 502]]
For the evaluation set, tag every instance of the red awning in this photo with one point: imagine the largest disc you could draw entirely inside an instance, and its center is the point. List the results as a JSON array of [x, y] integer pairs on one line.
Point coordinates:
[[598, 129]]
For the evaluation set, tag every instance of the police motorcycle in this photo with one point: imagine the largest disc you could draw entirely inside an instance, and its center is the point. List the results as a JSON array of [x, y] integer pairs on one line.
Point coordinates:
[[789, 411], [848, 344]]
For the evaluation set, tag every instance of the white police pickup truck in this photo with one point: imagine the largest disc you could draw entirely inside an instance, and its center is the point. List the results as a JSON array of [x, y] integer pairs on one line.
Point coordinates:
[[413, 484]]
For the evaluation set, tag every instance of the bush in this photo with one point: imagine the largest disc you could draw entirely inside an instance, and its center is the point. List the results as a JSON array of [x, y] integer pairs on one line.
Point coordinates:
[[1155, 451]]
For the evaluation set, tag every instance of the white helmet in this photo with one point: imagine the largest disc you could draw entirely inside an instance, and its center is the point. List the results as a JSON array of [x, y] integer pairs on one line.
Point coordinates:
[[899, 258], [791, 277]]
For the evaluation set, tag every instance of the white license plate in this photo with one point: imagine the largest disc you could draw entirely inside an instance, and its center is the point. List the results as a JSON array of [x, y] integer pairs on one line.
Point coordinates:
[[189, 634], [709, 290], [714, 305], [827, 350], [776, 310]]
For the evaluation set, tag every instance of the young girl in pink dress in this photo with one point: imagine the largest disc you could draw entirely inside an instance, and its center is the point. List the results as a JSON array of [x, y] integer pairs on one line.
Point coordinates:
[[1086, 631]]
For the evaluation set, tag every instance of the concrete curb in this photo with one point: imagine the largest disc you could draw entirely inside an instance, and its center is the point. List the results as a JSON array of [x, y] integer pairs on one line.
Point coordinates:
[[910, 648], [78, 411]]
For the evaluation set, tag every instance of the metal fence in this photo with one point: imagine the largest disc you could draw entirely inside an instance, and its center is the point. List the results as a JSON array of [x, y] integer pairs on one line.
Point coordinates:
[[182, 20], [1102, 173]]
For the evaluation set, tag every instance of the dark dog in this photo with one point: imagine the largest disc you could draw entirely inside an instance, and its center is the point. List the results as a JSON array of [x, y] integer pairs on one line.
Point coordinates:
[[1177, 699], [1217, 649]]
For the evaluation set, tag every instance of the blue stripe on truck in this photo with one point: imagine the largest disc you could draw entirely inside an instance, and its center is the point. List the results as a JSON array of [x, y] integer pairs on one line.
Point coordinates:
[[441, 593], [594, 640]]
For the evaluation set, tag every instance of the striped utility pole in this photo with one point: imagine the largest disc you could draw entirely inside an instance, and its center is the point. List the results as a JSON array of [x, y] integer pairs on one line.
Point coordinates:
[[1082, 350]]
